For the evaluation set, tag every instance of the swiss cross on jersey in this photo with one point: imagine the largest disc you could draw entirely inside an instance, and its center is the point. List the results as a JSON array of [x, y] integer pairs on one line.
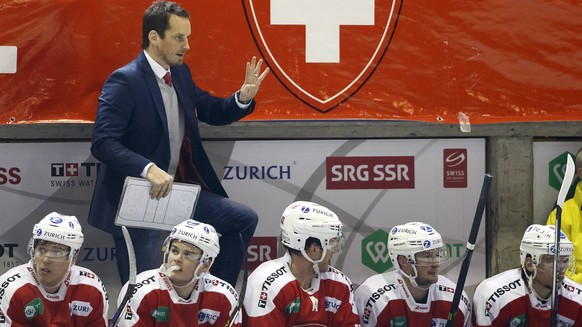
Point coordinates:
[[331, 48], [263, 300], [128, 313]]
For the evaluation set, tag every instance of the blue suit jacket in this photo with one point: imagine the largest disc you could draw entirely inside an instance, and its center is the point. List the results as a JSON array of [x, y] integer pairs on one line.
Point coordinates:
[[131, 130]]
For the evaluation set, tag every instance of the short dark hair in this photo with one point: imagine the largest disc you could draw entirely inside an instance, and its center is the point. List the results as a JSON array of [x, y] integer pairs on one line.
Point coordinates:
[[157, 18], [308, 242]]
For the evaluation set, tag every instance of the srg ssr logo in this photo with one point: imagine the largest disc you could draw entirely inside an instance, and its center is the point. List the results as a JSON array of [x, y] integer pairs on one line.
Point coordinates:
[[395, 172], [260, 250]]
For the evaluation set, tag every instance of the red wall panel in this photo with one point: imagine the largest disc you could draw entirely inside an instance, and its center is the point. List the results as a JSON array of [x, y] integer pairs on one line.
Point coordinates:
[[495, 61]]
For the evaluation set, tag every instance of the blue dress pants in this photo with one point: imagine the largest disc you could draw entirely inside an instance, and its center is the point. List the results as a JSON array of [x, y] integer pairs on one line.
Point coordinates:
[[228, 217]]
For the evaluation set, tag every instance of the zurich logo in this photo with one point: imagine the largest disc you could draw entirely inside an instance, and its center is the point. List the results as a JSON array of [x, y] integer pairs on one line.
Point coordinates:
[[426, 228], [426, 244], [206, 230], [394, 230], [552, 249], [39, 232], [191, 222], [305, 209], [56, 220]]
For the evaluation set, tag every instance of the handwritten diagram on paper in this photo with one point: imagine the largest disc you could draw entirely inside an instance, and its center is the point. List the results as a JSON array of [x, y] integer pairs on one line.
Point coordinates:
[[138, 210]]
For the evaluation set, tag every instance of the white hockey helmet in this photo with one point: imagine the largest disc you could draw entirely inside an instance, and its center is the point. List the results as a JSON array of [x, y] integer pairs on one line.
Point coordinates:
[[539, 240], [60, 229], [201, 235], [412, 238], [302, 220]]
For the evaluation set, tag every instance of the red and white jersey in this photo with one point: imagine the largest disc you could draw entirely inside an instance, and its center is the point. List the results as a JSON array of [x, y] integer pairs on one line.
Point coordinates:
[[506, 300], [384, 300], [156, 303], [274, 298], [80, 301]]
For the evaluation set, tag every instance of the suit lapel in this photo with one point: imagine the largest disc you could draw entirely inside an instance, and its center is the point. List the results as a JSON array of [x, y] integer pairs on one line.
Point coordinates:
[[184, 102], [154, 88]]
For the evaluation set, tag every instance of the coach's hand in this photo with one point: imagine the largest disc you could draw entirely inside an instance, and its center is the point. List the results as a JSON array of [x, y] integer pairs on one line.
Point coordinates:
[[161, 182]]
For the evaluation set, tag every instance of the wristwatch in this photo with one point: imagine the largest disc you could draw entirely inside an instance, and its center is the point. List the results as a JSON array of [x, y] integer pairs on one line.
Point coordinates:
[[239, 100]]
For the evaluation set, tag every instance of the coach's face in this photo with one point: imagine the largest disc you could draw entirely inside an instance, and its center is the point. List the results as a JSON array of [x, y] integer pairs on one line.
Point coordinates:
[[171, 49]]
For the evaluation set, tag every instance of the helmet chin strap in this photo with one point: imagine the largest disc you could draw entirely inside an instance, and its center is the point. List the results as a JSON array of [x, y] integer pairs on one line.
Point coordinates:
[[530, 279], [413, 279], [315, 262], [168, 270], [64, 277], [194, 279]]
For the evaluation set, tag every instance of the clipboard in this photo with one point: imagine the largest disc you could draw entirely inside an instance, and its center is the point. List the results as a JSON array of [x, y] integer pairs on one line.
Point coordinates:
[[137, 210]]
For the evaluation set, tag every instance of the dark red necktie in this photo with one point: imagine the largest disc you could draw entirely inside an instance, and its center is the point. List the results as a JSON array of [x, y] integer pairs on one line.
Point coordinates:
[[168, 79]]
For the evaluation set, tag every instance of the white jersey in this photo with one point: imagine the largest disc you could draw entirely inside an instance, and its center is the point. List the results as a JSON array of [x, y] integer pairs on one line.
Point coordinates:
[[384, 300], [80, 301], [156, 303], [274, 298], [506, 300]]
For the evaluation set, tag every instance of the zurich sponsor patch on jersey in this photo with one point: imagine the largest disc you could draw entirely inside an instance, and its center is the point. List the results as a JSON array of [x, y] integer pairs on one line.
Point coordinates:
[[208, 316], [332, 304], [80, 308]]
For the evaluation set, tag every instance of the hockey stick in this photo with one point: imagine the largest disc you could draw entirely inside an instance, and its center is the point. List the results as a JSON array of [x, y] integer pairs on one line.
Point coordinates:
[[243, 288], [469, 250], [566, 182], [131, 282]]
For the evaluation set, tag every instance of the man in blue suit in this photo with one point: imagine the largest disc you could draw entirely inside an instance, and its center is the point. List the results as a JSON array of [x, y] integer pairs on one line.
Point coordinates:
[[147, 125]]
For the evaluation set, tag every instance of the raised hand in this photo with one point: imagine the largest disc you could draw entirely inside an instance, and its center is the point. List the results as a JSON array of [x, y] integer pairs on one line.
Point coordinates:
[[253, 79]]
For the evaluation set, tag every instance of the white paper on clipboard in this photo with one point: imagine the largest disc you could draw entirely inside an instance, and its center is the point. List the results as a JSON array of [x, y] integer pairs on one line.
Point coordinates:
[[136, 209]]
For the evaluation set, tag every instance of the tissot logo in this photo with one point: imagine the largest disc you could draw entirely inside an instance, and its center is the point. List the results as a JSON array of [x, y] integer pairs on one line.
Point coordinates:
[[370, 172], [73, 174], [316, 49], [74, 169]]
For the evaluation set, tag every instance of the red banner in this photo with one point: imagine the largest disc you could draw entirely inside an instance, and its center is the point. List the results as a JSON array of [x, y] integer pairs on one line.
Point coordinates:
[[493, 61]]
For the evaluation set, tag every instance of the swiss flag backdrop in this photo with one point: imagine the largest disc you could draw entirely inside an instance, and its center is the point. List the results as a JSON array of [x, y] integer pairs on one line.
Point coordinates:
[[422, 60]]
